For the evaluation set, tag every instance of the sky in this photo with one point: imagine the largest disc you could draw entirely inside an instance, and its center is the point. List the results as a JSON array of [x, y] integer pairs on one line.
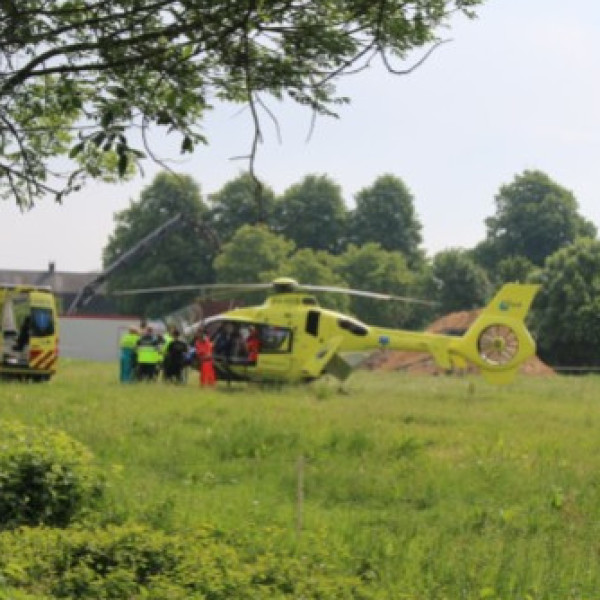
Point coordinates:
[[517, 88]]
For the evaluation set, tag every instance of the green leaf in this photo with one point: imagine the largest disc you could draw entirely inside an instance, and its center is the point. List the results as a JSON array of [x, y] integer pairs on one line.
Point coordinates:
[[118, 91], [107, 118], [99, 138], [163, 118], [76, 149], [187, 145], [123, 162]]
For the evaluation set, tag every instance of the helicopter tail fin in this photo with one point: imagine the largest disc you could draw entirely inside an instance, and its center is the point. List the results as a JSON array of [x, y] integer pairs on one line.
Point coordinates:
[[498, 341]]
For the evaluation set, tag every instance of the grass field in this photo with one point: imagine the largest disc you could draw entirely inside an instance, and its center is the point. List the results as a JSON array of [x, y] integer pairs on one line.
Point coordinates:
[[432, 487]]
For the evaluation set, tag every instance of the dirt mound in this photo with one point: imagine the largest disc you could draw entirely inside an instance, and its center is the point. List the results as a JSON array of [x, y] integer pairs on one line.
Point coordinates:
[[421, 363]]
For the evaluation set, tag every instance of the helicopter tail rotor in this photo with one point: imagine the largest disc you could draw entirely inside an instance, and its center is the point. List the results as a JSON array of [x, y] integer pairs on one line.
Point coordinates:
[[498, 342]]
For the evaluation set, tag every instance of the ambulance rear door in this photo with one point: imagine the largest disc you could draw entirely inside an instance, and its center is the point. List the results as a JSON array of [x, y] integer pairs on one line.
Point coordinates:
[[43, 351]]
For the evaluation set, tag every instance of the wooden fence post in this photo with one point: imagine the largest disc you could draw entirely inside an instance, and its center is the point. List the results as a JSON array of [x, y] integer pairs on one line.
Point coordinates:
[[300, 495]]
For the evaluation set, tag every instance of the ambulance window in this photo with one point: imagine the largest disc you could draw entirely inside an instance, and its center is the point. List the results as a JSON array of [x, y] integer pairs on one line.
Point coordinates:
[[42, 323]]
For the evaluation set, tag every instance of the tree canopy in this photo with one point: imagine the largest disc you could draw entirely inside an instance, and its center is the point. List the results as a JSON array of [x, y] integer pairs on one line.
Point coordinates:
[[385, 214], [252, 255], [462, 284], [534, 218], [371, 268], [83, 78], [567, 309], [235, 205], [312, 213], [183, 256]]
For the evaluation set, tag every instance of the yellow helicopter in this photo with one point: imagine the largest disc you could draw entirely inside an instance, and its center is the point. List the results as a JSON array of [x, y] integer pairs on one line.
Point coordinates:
[[299, 341]]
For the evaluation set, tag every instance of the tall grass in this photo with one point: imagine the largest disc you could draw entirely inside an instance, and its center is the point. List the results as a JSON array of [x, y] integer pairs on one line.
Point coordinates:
[[437, 487]]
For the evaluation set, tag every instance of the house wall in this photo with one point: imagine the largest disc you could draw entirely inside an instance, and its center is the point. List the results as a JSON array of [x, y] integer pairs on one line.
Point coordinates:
[[92, 338]]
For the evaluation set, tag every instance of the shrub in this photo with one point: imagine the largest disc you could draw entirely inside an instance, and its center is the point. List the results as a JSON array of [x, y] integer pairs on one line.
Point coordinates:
[[46, 477], [136, 562]]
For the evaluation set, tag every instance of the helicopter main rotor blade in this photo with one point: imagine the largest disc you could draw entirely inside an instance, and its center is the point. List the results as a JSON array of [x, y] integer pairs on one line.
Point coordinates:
[[225, 287], [366, 294], [276, 286]]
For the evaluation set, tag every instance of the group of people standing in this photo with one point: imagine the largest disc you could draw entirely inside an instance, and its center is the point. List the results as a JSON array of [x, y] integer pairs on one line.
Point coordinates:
[[143, 356]]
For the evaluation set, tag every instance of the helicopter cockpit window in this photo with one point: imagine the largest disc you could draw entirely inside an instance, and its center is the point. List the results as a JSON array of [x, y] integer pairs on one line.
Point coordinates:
[[312, 322], [353, 327], [275, 339]]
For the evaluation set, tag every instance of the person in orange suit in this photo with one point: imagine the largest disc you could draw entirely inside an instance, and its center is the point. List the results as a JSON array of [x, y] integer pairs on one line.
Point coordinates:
[[204, 354], [253, 346]]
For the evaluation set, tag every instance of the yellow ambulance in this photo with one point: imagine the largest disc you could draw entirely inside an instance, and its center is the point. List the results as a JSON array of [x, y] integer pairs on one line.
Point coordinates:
[[28, 332]]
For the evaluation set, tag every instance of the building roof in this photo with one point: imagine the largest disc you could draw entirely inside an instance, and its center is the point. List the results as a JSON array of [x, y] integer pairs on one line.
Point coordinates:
[[61, 282], [65, 285]]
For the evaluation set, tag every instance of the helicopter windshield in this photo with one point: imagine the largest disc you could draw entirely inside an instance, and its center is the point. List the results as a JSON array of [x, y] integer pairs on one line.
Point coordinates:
[[275, 339]]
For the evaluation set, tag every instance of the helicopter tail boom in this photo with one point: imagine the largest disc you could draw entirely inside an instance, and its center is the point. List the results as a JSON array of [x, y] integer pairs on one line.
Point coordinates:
[[497, 342]]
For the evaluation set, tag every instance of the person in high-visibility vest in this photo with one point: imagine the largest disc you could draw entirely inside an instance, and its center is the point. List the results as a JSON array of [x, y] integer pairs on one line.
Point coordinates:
[[167, 338], [148, 355], [204, 354], [127, 345]]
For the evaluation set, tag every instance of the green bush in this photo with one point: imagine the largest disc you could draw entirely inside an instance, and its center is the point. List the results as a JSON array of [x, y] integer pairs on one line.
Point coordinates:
[[46, 477], [136, 562]]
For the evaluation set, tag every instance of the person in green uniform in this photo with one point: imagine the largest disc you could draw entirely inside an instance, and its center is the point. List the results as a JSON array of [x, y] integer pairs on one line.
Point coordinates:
[[128, 345]]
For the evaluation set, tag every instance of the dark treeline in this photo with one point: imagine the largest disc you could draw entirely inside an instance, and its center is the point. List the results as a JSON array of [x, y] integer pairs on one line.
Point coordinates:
[[308, 232]]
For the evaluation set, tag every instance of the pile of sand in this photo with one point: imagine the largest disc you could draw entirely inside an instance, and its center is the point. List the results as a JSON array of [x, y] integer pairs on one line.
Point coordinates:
[[415, 362]]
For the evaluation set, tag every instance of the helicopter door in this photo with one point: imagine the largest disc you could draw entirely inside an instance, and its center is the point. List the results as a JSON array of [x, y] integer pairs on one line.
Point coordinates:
[[15, 330], [231, 353], [276, 344]]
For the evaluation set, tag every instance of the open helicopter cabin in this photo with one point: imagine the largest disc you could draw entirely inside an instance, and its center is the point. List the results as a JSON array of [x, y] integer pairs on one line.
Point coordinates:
[[29, 332], [232, 348]]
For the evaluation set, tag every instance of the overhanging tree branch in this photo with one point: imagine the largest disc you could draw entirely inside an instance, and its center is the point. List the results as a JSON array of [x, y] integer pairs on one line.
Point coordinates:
[[67, 66]]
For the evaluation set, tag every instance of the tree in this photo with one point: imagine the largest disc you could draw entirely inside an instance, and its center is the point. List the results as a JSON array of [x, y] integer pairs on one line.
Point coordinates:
[[252, 255], [312, 214], [235, 205], [461, 284], [79, 79], [385, 214], [371, 268], [534, 218], [183, 256], [513, 268], [566, 315]]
